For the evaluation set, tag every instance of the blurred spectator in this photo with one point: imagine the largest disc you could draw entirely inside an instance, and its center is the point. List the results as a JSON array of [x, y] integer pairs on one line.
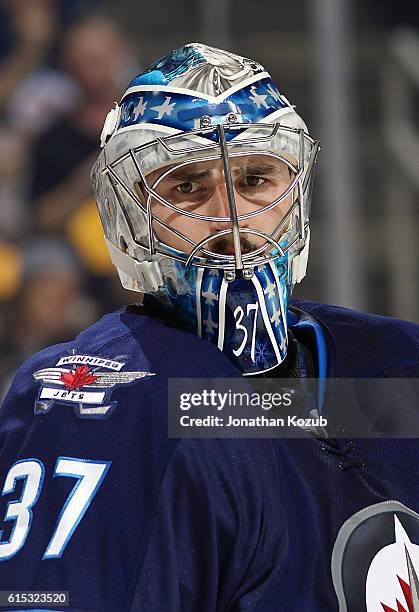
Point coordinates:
[[100, 61], [97, 57], [12, 168], [50, 93], [33, 27], [59, 113], [31, 94], [29, 35], [49, 306]]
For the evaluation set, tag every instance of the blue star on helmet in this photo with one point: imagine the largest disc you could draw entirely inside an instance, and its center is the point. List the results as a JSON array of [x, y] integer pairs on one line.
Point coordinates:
[[164, 109], [258, 98]]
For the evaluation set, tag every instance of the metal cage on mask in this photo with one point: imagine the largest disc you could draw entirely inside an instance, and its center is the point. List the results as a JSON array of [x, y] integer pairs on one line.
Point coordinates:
[[237, 301], [172, 153]]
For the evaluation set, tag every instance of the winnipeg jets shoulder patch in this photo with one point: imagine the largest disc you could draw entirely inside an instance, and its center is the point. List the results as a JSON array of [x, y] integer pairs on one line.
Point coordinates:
[[84, 381]]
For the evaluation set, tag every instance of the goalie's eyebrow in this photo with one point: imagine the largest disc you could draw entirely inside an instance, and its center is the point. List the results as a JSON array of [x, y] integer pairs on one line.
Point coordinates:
[[183, 174], [256, 169]]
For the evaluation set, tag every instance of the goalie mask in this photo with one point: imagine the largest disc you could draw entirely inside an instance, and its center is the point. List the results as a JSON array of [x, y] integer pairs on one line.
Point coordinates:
[[203, 187]]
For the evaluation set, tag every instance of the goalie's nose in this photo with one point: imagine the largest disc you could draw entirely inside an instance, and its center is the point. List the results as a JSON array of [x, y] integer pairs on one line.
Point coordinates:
[[221, 207]]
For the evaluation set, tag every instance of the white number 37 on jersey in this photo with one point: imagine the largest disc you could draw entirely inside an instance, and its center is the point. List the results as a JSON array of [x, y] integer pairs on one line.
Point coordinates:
[[89, 475]]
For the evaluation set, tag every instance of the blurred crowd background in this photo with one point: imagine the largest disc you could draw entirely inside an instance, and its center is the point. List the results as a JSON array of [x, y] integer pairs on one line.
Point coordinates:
[[351, 68]]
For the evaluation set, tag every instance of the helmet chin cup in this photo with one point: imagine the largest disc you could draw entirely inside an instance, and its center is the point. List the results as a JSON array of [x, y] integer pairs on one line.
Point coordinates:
[[244, 318]]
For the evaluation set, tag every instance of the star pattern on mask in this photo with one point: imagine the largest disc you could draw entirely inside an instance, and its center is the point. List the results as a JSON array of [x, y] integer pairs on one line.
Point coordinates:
[[273, 301], [258, 98], [164, 109]]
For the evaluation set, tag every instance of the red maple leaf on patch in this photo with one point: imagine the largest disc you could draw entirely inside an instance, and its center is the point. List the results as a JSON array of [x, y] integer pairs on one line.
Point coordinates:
[[79, 378]]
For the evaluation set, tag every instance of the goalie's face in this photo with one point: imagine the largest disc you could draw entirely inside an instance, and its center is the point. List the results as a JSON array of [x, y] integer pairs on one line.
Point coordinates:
[[263, 198]]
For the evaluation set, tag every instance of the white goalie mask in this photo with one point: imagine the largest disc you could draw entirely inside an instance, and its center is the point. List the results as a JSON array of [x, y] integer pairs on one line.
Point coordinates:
[[203, 187]]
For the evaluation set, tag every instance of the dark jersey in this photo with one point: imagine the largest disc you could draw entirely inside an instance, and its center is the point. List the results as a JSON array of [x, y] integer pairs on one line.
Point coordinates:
[[98, 501]]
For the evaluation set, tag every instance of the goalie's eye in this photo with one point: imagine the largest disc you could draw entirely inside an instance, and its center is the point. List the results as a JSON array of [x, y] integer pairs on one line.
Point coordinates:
[[253, 181], [188, 187]]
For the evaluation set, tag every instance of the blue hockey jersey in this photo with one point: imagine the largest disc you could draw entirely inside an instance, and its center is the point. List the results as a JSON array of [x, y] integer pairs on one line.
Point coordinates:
[[98, 501]]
